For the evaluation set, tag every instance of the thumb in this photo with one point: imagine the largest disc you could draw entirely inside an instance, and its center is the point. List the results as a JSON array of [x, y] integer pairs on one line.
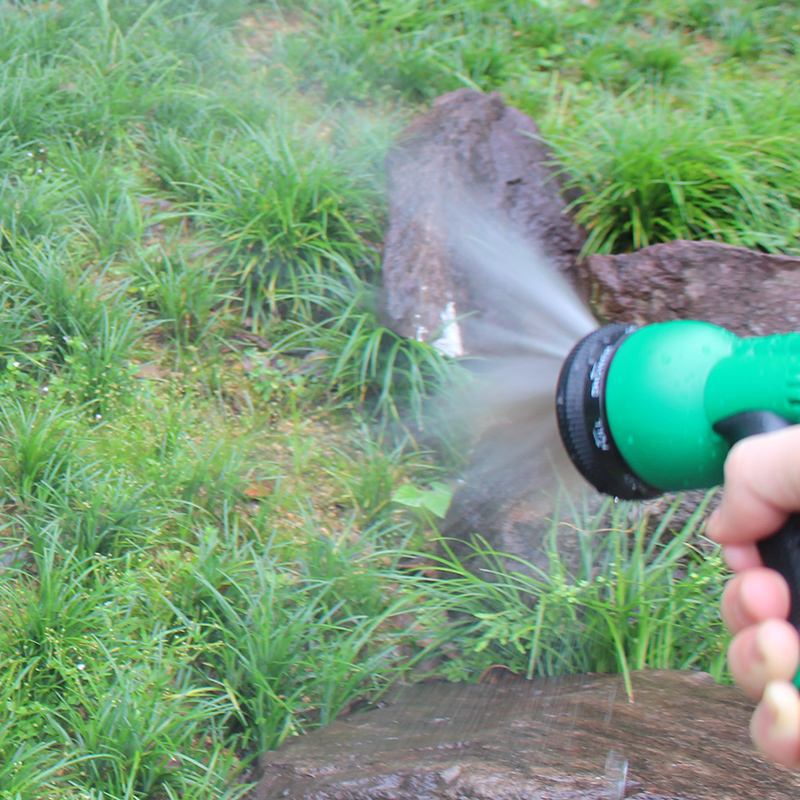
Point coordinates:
[[762, 487]]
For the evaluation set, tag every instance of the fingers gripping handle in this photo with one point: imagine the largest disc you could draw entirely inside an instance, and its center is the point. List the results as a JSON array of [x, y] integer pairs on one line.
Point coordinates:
[[781, 551]]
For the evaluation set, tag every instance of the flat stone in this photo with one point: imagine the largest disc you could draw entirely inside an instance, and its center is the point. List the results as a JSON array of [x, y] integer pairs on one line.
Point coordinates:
[[568, 738], [747, 292]]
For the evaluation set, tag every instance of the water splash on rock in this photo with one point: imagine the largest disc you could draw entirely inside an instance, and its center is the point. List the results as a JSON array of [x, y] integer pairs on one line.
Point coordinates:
[[684, 738]]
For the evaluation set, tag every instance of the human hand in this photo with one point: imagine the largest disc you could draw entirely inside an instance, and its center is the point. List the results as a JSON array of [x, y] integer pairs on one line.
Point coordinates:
[[762, 487]]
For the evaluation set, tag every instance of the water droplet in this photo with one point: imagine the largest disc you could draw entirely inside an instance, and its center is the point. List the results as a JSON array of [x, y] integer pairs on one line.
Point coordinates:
[[617, 774]]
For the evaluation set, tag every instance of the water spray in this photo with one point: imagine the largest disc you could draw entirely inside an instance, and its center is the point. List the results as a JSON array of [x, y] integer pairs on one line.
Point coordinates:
[[647, 410]]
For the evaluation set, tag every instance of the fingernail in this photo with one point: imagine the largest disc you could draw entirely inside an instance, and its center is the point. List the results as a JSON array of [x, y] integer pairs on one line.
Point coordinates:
[[781, 702]]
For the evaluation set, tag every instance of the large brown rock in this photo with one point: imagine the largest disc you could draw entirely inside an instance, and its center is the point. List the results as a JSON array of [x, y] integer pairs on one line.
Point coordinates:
[[571, 738], [471, 161], [478, 259], [749, 293]]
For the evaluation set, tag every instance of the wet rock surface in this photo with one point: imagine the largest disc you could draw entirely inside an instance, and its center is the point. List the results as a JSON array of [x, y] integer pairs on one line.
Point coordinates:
[[749, 293], [570, 738], [470, 158]]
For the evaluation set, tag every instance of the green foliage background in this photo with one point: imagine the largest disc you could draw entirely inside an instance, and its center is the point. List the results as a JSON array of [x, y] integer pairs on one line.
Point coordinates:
[[217, 497]]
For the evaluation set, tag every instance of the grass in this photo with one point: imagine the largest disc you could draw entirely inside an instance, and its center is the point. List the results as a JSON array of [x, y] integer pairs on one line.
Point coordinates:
[[716, 169], [218, 470], [642, 595]]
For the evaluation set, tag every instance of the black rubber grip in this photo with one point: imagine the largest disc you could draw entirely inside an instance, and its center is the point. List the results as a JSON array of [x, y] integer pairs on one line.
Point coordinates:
[[781, 552]]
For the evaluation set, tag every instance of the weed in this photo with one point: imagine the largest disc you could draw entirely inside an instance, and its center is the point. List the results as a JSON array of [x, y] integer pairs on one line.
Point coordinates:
[[428, 503], [372, 471]]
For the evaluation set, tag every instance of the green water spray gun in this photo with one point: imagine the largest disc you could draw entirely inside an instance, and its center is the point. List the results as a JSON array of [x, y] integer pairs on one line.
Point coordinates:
[[648, 410]]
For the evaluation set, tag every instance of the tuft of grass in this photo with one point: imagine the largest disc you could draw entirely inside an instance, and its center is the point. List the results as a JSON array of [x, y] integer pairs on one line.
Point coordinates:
[[54, 621], [41, 444], [660, 172], [353, 49], [289, 208], [103, 679], [143, 736], [32, 206], [100, 514], [359, 358], [295, 648], [183, 286], [104, 199], [641, 596], [183, 159]]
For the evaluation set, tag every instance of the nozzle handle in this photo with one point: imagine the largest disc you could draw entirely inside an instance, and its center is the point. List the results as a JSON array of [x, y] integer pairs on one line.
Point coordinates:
[[781, 551]]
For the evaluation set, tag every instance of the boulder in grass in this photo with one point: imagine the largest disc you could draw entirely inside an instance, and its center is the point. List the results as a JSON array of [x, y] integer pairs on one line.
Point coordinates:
[[470, 160]]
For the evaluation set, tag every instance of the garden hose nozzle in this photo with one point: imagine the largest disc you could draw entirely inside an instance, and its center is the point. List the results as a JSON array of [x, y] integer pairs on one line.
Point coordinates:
[[646, 410]]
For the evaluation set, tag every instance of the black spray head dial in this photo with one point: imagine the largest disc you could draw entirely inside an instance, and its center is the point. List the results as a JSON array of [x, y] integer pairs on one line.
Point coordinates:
[[582, 420]]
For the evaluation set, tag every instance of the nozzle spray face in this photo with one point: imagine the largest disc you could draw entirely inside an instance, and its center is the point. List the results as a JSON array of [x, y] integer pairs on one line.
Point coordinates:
[[582, 418], [639, 408]]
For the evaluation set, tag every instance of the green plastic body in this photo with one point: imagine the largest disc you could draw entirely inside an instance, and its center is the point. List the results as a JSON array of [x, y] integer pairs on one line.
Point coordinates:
[[668, 383]]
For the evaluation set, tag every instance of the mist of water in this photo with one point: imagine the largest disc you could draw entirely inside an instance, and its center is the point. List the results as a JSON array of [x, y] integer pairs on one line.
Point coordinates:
[[530, 321], [535, 296]]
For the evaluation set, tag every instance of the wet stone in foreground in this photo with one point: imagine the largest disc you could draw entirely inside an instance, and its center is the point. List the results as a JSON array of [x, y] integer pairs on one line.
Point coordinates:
[[572, 738]]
